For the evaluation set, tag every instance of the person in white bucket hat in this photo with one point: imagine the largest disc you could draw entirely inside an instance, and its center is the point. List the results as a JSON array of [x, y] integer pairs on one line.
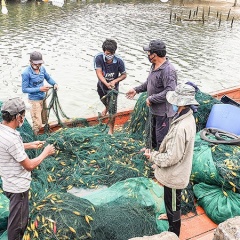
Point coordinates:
[[172, 163]]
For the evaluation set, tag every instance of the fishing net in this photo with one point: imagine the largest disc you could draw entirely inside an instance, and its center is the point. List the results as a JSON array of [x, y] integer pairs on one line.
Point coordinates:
[[4, 211], [216, 164], [88, 158], [219, 205]]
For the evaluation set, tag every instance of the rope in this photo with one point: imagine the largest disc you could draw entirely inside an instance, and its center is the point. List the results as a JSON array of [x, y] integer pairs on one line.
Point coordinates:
[[54, 105], [234, 139]]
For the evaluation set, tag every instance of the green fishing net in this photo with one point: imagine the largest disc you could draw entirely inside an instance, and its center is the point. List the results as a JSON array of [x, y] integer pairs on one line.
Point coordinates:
[[4, 211], [219, 205], [216, 164], [87, 158]]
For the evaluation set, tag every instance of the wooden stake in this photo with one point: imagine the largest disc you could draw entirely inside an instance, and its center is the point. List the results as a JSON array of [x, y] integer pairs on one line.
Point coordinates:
[[220, 20], [203, 16], [190, 13], [228, 13], [232, 22]]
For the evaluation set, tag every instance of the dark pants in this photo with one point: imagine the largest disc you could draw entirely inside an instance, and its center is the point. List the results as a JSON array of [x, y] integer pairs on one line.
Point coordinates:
[[172, 200], [18, 215], [160, 127]]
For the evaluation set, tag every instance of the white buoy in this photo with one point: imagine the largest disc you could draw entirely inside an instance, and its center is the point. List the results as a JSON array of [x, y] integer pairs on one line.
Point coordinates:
[[4, 8], [164, 1], [58, 3]]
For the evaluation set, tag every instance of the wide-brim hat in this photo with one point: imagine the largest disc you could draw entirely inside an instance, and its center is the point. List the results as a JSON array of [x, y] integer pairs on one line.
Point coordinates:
[[13, 106], [182, 96]]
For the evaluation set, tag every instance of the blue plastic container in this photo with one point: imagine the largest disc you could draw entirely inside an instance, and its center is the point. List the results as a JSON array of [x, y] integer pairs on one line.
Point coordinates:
[[225, 117]]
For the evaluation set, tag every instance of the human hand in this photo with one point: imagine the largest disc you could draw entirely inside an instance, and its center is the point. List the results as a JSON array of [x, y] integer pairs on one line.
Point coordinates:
[[112, 84], [44, 88], [154, 166], [131, 93], [55, 87], [49, 150], [147, 153], [148, 102], [37, 144], [109, 85]]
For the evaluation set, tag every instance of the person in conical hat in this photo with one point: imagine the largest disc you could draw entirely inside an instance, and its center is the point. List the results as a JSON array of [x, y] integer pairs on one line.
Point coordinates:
[[172, 163]]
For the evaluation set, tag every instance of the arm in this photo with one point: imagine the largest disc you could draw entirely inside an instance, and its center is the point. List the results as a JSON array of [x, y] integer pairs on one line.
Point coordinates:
[[102, 78], [174, 152], [30, 164], [26, 88], [48, 78], [119, 79], [25, 84], [34, 145], [132, 92], [121, 70]]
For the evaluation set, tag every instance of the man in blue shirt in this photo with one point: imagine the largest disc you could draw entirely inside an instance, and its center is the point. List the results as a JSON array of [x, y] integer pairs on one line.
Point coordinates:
[[110, 70], [33, 84]]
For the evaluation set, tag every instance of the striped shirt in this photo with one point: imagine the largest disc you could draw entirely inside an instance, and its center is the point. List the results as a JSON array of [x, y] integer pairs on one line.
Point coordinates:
[[15, 178]]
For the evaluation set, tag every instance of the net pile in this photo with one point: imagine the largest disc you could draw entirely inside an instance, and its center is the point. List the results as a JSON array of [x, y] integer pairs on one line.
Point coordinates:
[[87, 158]]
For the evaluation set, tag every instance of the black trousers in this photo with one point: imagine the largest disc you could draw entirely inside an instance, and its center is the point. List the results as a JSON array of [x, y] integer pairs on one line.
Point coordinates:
[[160, 127], [172, 200], [18, 215]]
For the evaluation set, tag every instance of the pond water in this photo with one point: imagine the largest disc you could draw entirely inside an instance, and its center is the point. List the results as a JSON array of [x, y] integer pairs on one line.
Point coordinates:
[[68, 37]]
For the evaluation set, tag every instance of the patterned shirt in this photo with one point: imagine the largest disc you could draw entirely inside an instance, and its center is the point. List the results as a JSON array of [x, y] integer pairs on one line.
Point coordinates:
[[15, 178], [110, 71]]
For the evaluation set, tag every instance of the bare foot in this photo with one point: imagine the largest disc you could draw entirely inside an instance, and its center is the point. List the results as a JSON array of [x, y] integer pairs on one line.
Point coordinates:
[[110, 132], [104, 112], [163, 217]]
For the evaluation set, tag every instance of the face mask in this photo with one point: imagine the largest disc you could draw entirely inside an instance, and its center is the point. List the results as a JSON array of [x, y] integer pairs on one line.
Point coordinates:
[[21, 121], [150, 59], [109, 57], [175, 108], [36, 66]]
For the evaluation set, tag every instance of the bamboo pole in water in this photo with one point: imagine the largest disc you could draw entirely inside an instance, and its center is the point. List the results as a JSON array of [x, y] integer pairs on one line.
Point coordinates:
[[220, 19], [232, 22], [209, 11], [228, 13], [203, 16]]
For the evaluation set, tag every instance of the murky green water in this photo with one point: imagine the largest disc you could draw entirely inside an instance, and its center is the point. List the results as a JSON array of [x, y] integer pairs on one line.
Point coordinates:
[[70, 36]]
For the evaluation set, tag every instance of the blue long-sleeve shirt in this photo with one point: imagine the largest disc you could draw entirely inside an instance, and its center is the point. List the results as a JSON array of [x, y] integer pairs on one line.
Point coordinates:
[[31, 82]]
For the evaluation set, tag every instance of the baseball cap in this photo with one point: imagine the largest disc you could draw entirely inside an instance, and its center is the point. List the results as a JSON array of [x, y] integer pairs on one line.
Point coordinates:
[[183, 95], [155, 45], [36, 58], [13, 106]]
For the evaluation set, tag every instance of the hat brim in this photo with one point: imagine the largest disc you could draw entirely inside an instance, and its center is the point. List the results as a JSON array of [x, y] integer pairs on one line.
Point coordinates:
[[180, 100], [146, 48], [37, 61]]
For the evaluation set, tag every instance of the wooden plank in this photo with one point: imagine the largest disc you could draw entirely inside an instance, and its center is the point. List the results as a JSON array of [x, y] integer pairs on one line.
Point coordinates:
[[196, 226]]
